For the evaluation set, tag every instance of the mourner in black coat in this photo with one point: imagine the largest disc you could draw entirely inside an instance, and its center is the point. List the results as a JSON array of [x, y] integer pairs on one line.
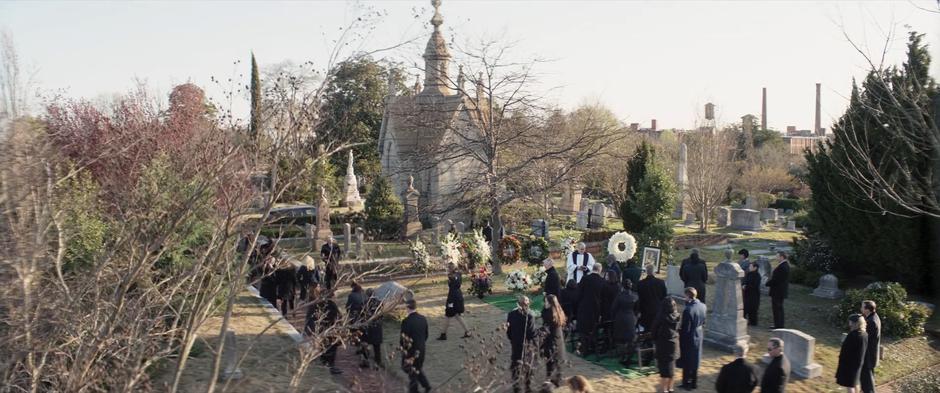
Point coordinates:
[[331, 253], [633, 272], [374, 336], [414, 336], [623, 311], [553, 338], [738, 376], [569, 300], [521, 332], [777, 373], [751, 289], [552, 285], [873, 351], [268, 287], [323, 313], [608, 295], [779, 284], [852, 353], [651, 291], [666, 339], [307, 274], [694, 274], [453, 306], [589, 307]]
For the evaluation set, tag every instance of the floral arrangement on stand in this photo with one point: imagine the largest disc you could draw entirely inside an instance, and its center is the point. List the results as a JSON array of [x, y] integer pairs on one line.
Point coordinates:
[[477, 249], [509, 250], [535, 250], [628, 244], [518, 281], [567, 246], [538, 278], [480, 283], [450, 250], [422, 258]]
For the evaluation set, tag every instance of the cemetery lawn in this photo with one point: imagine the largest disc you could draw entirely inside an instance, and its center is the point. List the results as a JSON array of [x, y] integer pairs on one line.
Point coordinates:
[[804, 312]]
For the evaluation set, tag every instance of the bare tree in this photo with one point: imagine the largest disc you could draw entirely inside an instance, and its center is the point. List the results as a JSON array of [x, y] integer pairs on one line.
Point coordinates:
[[711, 170]]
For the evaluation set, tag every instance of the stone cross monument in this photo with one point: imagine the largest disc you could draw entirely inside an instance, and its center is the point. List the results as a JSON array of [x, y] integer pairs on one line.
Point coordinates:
[[726, 325], [351, 198], [682, 179]]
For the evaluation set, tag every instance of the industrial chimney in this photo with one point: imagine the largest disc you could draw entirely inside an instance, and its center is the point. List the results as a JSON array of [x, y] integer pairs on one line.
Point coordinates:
[[763, 109], [818, 125]]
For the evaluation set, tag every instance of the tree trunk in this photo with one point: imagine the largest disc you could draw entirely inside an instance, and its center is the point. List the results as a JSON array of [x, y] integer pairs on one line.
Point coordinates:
[[497, 229]]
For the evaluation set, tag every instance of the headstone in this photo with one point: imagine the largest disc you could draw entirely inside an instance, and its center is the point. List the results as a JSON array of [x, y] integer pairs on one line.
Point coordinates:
[[791, 225], [435, 230], [230, 358], [571, 198], [800, 349], [726, 325], [347, 238], [768, 214], [390, 291], [689, 219], [538, 228], [764, 268], [360, 236], [310, 231], [682, 179], [724, 217], [750, 202], [599, 215], [448, 226], [323, 217], [581, 221], [585, 205], [351, 198], [674, 284], [411, 222], [745, 219], [780, 211], [788, 211], [828, 287], [461, 227]]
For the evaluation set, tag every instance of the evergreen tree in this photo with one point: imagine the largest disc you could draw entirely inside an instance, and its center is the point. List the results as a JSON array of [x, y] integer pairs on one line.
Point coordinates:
[[650, 200], [851, 218], [254, 127], [383, 209]]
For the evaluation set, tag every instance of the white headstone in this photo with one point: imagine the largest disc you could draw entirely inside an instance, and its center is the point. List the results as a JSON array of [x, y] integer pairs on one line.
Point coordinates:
[[347, 237], [768, 214], [828, 288], [726, 326], [791, 225], [723, 217], [582, 220], [800, 349], [674, 284], [351, 196], [745, 219]]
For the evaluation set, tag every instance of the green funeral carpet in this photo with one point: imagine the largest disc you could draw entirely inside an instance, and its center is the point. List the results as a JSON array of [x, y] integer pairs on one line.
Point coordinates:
[[507, 302]]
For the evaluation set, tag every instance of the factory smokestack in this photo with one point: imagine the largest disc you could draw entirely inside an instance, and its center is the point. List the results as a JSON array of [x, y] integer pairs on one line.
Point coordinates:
[[818, 130], [763, 109]]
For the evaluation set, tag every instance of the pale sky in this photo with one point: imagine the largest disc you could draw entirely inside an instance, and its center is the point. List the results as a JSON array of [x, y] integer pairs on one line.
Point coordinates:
[[644, 60]]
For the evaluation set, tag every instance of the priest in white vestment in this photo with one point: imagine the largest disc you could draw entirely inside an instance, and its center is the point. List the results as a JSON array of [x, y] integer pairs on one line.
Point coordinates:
[[579, 264]]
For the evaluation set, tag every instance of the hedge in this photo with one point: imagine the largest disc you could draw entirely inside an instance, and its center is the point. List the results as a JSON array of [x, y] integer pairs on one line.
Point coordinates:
[[899, 317]]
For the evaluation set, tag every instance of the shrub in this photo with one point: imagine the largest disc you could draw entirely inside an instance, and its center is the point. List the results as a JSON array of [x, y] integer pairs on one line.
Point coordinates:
[[84, 227], [813, 254], [788, 203], [801, 218], [383, 209], [803, 276], [765, 199], [596, 236], [899, 318]]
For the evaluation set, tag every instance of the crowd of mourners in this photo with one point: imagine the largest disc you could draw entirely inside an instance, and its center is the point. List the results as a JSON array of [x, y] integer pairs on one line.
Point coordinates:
[[602, 312]]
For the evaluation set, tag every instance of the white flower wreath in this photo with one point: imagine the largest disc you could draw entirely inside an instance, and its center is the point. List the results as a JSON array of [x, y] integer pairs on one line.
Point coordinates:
[[422, 259], [482, 246], [629, 246]]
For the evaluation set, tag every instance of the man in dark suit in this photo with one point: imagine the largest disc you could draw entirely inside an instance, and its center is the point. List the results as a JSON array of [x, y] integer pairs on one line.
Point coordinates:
[[694, 274], [652, 291], [488, 233], [331, 253], [777, 372], [873, 351], [751, 292], [738, 376], [521, 332], [552, 284], [779, 284], [414, 335], [691, 335], [633, 273], [589, 307]]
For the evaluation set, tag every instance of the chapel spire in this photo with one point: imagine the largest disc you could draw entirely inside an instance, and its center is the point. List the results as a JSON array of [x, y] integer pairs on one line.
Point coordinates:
[[436, 58]]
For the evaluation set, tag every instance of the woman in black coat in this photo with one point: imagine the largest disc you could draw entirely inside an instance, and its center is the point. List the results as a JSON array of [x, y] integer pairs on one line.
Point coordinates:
[[453, 308], [852, 354], [307, 274], [623, 311], [553, 341], [751, 288], [322, 315], [666, 339], [268, 287], [374, 336], [569, 300]]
